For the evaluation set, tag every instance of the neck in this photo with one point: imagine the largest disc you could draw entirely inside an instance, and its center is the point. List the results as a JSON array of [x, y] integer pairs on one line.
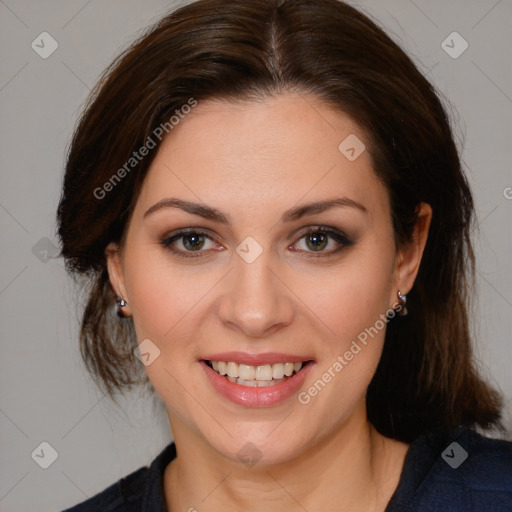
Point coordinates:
[[356, 468]]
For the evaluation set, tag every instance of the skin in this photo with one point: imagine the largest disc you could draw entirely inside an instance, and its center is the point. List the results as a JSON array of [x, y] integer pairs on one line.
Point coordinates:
[[253, 161]]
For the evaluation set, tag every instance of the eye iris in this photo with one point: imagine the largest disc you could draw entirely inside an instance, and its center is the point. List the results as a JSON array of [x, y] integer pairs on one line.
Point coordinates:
[[319, 240], [199, 241]]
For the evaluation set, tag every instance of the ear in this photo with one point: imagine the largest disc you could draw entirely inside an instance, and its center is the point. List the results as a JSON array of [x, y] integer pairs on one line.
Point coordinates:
[[116, 273], [409, 257]]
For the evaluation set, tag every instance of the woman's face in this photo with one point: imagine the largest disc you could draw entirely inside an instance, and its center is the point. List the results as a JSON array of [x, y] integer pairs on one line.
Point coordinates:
[[250, 287]]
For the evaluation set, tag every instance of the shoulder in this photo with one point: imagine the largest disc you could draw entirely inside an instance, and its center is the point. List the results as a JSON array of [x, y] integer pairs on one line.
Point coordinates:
[[125, 494], [479, 463], [489, 461], [456, 470], [140, 490]]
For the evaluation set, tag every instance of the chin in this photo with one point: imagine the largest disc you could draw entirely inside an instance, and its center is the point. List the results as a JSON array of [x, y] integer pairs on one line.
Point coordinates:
[[259, 448]]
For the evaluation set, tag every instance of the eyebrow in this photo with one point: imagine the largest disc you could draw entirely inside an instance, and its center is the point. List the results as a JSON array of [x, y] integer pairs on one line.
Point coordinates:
[[290, 215]]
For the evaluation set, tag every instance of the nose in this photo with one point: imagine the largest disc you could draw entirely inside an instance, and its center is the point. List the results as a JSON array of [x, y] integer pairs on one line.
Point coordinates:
[[256, 300]]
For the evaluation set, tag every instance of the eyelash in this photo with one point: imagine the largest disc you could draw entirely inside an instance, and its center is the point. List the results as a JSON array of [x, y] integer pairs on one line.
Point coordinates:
[[336, 235]]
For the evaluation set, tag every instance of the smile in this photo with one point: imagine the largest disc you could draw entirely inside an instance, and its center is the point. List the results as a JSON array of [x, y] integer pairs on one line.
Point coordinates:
[[262, 380], [255, 376]]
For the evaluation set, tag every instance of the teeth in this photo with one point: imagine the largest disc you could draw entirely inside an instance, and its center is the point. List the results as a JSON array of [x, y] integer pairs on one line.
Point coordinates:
[[232, 370], [246, 372], [256, 376], [278, 371], [222, 367], [254, 383], [288, 369], [264, 373]]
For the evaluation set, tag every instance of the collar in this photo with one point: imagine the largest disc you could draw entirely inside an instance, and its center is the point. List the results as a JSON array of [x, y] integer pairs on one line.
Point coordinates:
[[154, 500]]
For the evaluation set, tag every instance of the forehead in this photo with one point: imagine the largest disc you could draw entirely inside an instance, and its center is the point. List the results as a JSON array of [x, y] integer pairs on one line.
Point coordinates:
[[274, 151]]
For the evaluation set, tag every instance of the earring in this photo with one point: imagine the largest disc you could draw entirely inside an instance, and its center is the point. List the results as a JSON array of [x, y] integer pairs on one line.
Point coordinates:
[[403, 299], [121, 303]]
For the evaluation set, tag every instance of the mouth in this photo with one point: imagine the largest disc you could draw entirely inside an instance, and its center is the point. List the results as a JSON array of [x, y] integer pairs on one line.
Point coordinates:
[[264, 375]]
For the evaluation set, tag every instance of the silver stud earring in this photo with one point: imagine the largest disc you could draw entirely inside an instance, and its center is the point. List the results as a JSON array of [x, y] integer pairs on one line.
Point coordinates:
[[121, 303], [403, 309]]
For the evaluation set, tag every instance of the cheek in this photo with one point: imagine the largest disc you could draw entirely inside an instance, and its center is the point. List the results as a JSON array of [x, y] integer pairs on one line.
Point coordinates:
[[354, 312], [164, 304], [160, 296], [352, 297]]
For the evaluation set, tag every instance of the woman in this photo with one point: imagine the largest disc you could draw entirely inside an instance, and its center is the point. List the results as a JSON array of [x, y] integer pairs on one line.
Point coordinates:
[[271, 192]]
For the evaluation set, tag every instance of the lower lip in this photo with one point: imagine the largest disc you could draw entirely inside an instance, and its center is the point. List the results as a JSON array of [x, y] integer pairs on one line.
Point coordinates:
[[257, 396]]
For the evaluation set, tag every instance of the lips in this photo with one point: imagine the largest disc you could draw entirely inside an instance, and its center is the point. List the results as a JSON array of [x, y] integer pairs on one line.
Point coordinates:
[[257, 359], [250, 380]]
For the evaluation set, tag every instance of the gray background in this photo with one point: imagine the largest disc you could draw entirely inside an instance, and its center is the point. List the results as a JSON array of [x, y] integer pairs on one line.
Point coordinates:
[[46, 394]]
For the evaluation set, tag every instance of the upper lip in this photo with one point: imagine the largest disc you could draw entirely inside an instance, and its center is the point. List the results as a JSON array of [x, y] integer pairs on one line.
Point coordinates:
[[257, 359]]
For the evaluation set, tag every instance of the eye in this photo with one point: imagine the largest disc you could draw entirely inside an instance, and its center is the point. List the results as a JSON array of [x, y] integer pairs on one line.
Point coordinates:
[[192, 241], [316, 239]]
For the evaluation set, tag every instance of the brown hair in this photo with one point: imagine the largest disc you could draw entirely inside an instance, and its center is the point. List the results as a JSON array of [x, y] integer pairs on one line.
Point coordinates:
[[245, 50]]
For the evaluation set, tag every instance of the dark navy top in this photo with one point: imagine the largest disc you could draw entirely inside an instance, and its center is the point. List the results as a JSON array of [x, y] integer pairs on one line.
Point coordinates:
[[454, 471]]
